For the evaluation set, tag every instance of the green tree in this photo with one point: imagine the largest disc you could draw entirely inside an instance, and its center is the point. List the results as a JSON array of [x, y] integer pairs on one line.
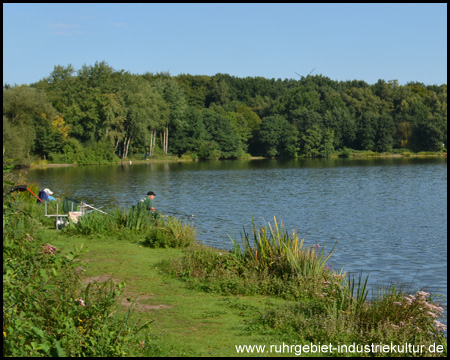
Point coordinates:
[[173, 95], [188, 136], [366, 131], [327, 144], [426, 136], [384, 137], [343, 124], [145, 111], [311, 141], [223, 133], [277, 137], [28, 119]]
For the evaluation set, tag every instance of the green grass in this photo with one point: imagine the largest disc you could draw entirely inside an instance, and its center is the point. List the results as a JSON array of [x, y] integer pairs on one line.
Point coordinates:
[[200, 301], [190, 323]]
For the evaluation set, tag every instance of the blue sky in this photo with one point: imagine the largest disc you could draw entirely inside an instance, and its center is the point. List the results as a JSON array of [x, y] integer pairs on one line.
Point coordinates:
[[407, 42]]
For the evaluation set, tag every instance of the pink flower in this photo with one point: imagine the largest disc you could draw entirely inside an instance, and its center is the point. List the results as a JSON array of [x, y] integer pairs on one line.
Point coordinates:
[[81, 302], [433, 315], [48, 249]]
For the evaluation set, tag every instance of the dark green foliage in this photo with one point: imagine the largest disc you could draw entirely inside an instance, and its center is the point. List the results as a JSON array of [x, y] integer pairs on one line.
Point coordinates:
[[277, 137], [210, 117]]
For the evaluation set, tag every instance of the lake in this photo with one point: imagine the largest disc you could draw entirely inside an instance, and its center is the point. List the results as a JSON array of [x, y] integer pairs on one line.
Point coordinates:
[[387, 217]]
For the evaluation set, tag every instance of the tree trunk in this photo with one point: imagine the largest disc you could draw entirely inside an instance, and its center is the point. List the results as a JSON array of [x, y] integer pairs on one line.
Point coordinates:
[[124, 145], [128, 144], [150, 145], [167, 140]]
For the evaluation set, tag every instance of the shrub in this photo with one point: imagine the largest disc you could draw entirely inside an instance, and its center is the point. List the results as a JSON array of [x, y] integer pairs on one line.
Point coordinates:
[[170, 233]]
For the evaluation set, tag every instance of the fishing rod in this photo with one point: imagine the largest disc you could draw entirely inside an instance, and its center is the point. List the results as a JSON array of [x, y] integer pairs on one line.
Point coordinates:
[[24, 188], [84, 204]]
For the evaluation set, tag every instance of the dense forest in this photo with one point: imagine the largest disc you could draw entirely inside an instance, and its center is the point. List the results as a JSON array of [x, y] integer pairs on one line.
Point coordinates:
[[98, 114]]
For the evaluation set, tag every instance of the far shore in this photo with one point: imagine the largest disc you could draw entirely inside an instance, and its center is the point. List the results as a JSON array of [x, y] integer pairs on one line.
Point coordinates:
[[176, 159]]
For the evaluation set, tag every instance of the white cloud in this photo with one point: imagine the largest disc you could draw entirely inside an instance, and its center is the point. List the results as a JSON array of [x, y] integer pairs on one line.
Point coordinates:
[[64, 29]]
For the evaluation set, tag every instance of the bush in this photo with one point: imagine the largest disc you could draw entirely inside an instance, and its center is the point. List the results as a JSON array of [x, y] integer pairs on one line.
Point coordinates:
[[170, 233], [73, 152]]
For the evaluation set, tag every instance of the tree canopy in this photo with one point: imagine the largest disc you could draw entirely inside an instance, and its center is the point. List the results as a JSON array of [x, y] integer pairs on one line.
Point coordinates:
[[100, 113]]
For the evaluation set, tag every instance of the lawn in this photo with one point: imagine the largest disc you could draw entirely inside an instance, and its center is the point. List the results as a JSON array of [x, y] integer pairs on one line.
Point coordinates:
[[189, 323]]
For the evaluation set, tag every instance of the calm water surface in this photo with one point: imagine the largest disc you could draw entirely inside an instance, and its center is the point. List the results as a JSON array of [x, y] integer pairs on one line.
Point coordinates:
[[387, 217]]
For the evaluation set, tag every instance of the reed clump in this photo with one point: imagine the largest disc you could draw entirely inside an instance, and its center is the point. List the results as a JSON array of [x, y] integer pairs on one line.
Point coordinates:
[[270, 261]]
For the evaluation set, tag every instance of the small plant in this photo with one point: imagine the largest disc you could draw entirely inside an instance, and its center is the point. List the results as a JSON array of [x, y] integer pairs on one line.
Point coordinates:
[[346, 152], [170, 233]]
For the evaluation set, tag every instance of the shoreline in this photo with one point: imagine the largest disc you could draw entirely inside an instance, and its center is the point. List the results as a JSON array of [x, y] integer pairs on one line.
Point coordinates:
[[170, 160]]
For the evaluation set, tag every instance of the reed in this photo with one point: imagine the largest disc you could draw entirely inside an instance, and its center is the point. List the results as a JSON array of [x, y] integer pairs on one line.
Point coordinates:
[[273, 248]]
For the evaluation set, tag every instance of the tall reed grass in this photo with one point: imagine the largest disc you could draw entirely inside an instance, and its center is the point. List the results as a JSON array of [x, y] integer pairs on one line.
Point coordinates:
[[272, 248]]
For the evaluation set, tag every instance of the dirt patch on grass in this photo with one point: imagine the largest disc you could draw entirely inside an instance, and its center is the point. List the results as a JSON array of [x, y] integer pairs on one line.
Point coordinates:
[[128, 298], [140, 304], [100, 278]]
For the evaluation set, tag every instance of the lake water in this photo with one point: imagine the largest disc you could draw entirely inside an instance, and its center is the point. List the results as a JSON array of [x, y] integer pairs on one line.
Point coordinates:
[[387, 217]]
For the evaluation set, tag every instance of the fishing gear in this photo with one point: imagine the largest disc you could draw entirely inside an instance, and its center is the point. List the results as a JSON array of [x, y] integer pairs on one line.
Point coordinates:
[[84, 204], [24, 188]]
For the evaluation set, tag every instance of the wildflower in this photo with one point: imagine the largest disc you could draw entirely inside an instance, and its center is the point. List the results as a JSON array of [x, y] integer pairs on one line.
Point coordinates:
[[439, 309], [439, 325], [81, 302], [327, 267], [398, 303], [409, 299], [432, 314], [422, 295], [48, 249], [4, 333]]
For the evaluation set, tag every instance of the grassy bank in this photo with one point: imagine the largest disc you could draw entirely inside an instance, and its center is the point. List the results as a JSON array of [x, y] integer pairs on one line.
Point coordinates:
[[144, 287]]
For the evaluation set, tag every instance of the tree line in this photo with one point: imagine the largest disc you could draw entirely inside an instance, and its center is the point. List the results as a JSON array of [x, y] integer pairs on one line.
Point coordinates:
[[98, 114]]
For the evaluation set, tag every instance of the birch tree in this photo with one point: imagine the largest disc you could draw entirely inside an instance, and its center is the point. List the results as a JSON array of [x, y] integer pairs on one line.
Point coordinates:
[[143, 110], [175, 101]]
